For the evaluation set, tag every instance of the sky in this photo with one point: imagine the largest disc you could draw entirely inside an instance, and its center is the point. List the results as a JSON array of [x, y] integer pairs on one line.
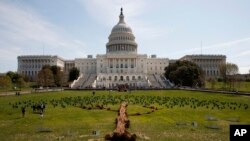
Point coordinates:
[[168, 28]]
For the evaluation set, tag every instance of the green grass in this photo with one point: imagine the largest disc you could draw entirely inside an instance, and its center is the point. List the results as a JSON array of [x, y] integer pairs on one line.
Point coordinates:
[[3, 91], [73, 123], [240, 86]]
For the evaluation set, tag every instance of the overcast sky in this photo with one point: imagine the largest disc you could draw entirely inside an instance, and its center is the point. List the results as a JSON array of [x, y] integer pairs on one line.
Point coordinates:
[[168, 28]]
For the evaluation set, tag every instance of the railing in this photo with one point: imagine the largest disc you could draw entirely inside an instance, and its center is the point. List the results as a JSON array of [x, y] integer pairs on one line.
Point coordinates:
[[75, 81], [157, 80]]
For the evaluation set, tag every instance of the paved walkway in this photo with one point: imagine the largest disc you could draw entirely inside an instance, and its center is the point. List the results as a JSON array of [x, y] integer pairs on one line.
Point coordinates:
[[218, 91], [29, 92]]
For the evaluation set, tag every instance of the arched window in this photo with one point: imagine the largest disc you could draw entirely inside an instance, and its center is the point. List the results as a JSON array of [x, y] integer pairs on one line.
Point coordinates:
[[127, 78], [133, 77], [139, 77]]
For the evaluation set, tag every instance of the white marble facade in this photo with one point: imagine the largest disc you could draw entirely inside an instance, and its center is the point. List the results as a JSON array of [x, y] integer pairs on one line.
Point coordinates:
[[210, 64], [120, 65], [30, 65]]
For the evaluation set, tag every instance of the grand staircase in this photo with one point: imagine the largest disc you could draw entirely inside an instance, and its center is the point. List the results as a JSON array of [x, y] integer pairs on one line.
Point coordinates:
[[83, 81], [153, 81], [89, 81], [159, 81]]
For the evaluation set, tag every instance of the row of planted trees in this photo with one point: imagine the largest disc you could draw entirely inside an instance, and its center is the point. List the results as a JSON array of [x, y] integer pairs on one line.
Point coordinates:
[[48, 76], [104, 101]]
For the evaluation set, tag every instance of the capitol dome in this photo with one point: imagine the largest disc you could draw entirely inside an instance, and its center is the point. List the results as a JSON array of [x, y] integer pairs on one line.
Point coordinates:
[[121, 39]]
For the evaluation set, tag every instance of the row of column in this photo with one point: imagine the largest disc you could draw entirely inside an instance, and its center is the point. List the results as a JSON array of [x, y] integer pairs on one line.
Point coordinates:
[[212, 72], [121, 47], [33, 65], [36, 61], [122, 63]]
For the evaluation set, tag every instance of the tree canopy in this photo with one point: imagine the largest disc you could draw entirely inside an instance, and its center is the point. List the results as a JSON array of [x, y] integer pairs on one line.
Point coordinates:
[[16, 79], [184, 73], [5, 82], [73, 74], [58, 75], [50, 76], [45, 77]]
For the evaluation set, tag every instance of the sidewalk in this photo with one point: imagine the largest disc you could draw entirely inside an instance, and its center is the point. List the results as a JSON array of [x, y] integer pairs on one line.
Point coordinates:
[[14, 93], [29, 92]]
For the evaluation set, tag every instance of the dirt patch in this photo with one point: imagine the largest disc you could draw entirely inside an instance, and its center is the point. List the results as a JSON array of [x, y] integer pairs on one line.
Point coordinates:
[[122, 123], [142, 136]]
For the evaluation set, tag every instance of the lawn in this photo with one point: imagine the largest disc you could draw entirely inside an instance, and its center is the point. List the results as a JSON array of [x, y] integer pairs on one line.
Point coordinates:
[[177, 115], [240, 86]]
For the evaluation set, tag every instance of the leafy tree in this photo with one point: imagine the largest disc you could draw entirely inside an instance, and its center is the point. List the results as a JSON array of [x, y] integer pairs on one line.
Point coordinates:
[[5, 82], [51, 76], [184, 73], [46, 67], [16, 79], [73, 74], [20, 83], [58, 75], [45, 77], [223, 72], [13, 76]]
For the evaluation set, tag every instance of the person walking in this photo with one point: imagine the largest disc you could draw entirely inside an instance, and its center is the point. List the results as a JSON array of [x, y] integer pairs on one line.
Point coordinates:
[[23, 111]]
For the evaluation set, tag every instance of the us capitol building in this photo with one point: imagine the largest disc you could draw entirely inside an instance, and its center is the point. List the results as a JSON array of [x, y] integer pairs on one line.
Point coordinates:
[[121, 65]]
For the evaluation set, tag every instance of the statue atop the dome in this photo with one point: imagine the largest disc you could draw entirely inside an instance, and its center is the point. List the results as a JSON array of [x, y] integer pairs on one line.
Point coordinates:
[[121, 17], [121, 11]]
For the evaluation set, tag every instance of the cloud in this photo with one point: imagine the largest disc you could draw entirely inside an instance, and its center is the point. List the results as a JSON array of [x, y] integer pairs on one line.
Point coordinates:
[[243, 53], [23, 31], [245, 69], [228, 44], [220, 46], [237, 51], [107, 12]]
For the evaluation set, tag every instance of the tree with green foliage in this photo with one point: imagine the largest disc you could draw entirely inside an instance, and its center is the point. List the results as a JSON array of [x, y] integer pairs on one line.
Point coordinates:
[[58, 75], [5, 82], [73, 74], [16, 79], [185, 73], [20, 83], [14, 76], [51, 76]]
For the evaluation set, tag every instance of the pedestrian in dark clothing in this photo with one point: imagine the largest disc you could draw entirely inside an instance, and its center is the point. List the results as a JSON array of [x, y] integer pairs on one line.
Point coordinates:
[[23, 111]]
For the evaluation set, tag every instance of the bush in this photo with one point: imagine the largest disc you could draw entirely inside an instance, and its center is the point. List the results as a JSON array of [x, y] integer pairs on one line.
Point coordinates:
[[220, 79]]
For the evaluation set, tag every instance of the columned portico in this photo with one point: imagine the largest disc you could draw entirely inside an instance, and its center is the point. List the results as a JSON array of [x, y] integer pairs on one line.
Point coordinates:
[[122, 59], [120, 65]]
